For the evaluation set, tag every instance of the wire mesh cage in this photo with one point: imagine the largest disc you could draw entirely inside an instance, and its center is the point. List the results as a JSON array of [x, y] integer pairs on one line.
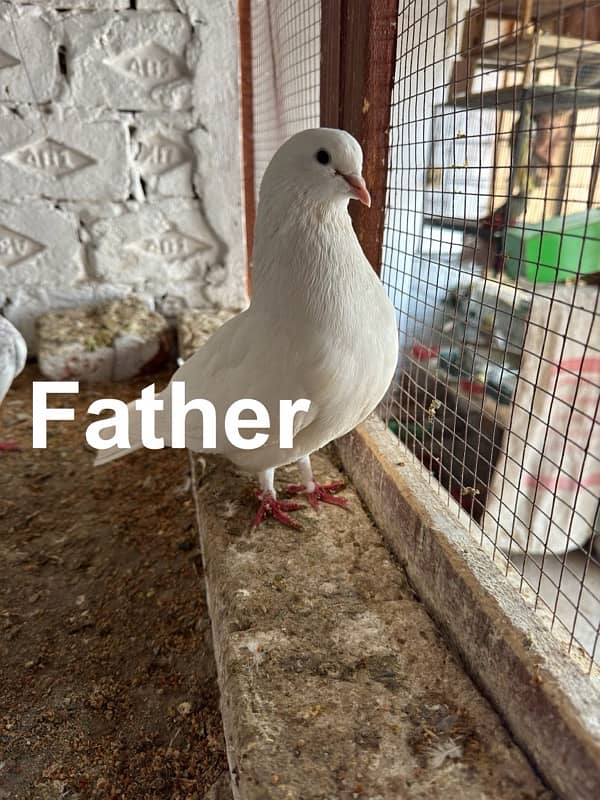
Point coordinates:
[[285, 68], [492, 257]]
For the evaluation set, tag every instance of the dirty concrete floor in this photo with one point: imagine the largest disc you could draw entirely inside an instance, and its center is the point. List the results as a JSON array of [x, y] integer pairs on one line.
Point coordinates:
[[108, 684]]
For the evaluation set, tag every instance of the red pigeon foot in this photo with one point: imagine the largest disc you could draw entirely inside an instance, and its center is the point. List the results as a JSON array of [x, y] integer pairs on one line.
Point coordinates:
[[323, 494], [271, 507]]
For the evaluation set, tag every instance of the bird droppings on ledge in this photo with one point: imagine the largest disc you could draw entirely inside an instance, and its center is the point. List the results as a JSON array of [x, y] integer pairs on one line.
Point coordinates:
[[334, 679]]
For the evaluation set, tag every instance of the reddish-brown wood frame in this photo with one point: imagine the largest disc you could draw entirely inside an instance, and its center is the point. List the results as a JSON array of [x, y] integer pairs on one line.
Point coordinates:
[[247, 114], [358, 51]]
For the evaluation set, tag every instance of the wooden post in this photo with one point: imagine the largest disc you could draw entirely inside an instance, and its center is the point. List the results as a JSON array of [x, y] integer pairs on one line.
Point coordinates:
[[331, 73], [358, 52], [247, 114]]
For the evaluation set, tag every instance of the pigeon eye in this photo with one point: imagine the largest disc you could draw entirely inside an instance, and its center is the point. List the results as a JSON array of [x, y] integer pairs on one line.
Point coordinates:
[[323, 157]]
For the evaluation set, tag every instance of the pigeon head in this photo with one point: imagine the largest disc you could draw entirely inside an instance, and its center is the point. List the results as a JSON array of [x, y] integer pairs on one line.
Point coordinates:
[[320, 165]]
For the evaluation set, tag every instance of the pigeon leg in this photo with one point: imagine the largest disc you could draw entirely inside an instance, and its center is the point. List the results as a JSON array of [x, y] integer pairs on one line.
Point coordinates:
[[313, 490], [270, 505]]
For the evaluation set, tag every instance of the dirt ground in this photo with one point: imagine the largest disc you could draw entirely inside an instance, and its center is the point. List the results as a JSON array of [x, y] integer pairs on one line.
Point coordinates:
[[108, 687]]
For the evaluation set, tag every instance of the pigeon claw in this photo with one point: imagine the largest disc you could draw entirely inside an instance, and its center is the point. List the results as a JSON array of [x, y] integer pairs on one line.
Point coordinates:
[[271, 507], [322, 494]]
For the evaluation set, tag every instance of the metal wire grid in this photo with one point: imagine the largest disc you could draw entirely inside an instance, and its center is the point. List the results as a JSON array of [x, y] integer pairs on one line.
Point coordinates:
[[285, 69], [497, 390]]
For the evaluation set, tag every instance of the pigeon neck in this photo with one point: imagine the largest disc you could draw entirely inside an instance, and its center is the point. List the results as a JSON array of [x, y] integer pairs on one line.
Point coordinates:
[[306, 257]]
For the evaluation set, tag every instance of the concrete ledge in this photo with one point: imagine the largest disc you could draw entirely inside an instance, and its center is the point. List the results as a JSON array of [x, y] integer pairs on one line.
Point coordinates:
[[551, 707], [335, 682]]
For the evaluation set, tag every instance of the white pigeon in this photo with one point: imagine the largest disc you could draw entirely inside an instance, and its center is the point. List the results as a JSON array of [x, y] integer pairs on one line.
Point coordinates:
[[320, 325], [13, 355]]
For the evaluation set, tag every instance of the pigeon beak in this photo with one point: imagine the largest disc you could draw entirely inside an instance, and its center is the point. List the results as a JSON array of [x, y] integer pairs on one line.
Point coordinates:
[[359, 188]]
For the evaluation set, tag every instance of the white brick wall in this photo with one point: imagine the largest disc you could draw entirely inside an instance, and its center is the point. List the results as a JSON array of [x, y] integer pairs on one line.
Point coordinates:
[[163, 155], [130, 60], [36, 44], [38, 241], [157, 246], [70, 154], [120, 163], [157, 5], [83, 5]]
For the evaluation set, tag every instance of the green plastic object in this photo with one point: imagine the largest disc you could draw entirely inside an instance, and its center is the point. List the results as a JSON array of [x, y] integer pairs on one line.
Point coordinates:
[[555, 250]]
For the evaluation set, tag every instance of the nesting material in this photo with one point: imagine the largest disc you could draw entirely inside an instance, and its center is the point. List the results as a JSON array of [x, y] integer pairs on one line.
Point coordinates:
[[116, 341], [196, 325]]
